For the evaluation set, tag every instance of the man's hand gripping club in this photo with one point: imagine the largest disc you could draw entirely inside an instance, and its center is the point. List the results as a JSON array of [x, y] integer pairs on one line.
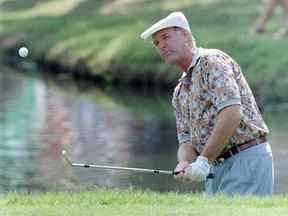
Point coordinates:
[[197, 171]]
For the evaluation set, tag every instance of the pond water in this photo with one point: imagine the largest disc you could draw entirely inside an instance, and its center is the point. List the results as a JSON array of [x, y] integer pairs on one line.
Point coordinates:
[[39, 118]]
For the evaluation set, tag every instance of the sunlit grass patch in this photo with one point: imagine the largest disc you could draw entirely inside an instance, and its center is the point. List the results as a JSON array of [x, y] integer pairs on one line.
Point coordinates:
[[178, 5], [129, 6], [49, 8]]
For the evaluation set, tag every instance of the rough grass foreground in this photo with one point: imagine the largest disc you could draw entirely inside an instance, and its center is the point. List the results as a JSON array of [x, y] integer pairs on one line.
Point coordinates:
[[132, 202]]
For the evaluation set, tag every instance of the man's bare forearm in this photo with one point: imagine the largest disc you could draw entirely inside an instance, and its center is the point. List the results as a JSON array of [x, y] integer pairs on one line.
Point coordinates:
[[186, 153], [227, 122]]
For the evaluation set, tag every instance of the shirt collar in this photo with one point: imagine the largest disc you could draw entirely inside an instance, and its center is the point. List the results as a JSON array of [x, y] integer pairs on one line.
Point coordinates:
[[194, 59], [193, 63]]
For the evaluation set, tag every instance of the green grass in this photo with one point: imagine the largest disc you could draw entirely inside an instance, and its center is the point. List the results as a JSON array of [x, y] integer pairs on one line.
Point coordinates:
[[106, 37], [133, 202]]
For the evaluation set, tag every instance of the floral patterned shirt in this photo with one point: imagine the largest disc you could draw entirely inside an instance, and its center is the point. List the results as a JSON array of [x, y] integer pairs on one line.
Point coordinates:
[[214, 81]]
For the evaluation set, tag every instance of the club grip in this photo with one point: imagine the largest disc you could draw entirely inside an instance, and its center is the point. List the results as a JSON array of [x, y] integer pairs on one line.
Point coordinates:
[[177, 172], [210, 175]]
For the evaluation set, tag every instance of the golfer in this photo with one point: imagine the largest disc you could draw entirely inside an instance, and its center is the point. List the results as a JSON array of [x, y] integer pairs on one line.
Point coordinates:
[[219, 126]]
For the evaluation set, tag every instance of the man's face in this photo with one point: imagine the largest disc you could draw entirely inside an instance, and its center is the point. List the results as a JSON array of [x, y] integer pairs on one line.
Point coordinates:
[[170, 43]]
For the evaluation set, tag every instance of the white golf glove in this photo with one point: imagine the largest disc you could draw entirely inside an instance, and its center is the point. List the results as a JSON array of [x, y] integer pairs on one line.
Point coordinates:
[[198, 170]]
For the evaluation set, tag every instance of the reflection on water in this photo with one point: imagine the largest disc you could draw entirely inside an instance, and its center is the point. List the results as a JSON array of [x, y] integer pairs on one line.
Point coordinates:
[[39, 118]]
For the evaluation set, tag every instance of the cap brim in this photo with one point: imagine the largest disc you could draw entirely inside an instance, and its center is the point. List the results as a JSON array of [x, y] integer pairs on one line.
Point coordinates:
[[153, 29]]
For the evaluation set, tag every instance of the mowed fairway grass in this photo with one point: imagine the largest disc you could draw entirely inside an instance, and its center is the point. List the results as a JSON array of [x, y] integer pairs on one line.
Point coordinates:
[[140, 203], [104, 35]]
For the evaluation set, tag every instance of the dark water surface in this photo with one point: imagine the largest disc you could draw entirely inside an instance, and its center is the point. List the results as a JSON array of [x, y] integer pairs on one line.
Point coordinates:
[[39, 118]]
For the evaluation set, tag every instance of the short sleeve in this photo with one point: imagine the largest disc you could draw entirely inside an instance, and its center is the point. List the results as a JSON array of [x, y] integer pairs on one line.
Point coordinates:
[[222, 84]]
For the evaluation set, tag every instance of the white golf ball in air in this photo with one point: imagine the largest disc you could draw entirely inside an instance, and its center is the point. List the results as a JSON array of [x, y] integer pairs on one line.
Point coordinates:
[[23, 52]]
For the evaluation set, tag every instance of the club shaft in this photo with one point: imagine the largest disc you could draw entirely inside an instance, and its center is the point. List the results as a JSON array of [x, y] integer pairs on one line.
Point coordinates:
[[124, 168], [141, 170]]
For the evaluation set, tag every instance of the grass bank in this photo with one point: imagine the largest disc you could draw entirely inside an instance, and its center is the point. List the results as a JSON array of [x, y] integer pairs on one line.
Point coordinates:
[[101, 38], [131, 202]]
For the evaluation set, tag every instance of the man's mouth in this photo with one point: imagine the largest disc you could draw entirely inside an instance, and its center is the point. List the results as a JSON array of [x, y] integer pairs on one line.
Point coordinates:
[[165, 54]]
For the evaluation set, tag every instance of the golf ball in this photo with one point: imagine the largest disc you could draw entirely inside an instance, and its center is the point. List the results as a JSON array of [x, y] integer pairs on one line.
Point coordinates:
[[23, 52]]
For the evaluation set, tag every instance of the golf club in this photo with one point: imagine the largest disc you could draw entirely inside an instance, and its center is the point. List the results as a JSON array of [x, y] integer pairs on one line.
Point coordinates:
[[141, 170]]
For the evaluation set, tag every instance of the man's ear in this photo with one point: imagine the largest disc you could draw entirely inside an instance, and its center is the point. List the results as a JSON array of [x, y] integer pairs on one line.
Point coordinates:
[[183, 33], [186, 33]]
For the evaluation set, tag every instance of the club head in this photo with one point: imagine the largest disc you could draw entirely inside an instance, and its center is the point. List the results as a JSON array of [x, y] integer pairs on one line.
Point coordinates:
[[64, 154]]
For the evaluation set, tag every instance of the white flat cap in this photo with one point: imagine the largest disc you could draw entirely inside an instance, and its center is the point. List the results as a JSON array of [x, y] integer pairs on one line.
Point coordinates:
[[175, 19]]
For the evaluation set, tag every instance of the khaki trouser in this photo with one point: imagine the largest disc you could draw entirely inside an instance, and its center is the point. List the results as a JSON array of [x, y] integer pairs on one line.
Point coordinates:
[[250, 172]]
